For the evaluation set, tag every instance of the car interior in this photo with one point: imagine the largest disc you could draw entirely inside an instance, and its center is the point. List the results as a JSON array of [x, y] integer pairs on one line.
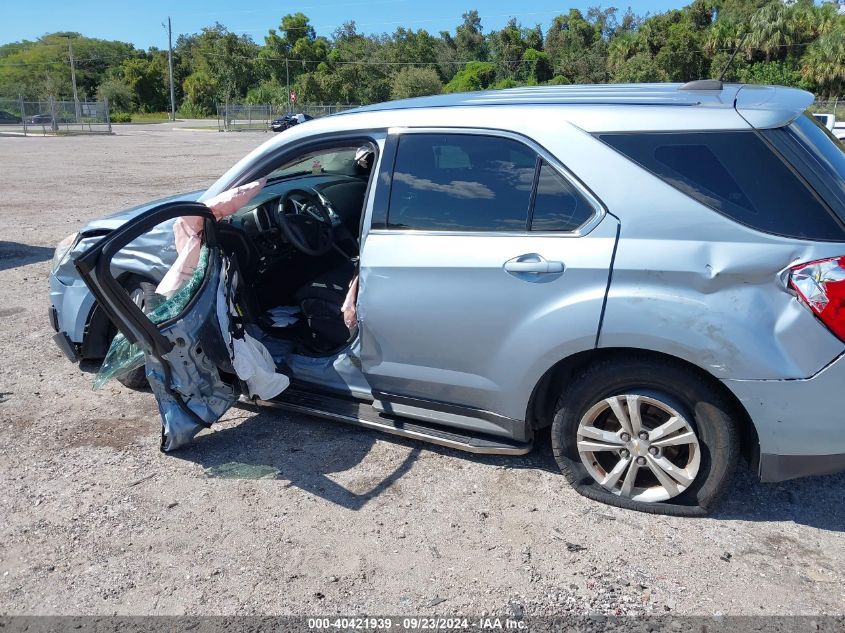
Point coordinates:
[[296, 247]]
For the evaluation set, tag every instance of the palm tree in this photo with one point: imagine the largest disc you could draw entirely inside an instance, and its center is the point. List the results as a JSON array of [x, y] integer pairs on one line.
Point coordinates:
[[773, 28], [813, 21], [622, 48], [824, 63], [724, 35]]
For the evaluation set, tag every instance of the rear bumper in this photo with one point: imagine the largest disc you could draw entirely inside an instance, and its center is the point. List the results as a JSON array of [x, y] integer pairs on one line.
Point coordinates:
[[800, 424]]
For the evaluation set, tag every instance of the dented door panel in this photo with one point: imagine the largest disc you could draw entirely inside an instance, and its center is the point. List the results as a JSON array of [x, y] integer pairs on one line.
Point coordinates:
[[192, 368], [183, 348]]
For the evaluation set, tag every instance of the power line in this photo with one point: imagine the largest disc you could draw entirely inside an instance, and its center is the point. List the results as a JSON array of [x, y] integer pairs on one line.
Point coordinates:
[[361, 62]]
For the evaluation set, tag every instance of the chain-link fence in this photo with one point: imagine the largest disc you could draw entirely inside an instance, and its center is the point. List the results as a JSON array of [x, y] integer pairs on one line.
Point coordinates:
[[51, 116], [234, 117], [318, 110]]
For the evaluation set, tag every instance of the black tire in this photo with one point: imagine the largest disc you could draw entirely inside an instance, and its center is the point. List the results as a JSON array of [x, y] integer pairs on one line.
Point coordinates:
[[689, 393], [137, 378]]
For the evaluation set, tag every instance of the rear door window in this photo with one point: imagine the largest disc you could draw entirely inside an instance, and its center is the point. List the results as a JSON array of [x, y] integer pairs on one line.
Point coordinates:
[[461, 182], [737, 174]]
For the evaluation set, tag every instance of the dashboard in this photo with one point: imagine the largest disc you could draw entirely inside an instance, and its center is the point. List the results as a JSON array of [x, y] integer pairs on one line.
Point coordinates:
[[343, 198]]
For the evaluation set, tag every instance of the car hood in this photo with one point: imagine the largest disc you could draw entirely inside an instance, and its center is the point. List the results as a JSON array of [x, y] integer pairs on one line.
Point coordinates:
[[111, 222]]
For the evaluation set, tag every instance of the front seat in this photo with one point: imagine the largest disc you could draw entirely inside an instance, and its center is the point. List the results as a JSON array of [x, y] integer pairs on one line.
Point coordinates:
[[320, 301]]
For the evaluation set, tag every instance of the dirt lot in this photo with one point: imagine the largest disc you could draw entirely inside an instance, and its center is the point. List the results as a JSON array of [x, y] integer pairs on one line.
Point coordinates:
[[271, 513]]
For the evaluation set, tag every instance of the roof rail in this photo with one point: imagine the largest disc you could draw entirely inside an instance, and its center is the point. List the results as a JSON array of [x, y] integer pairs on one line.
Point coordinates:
[[702, 84]]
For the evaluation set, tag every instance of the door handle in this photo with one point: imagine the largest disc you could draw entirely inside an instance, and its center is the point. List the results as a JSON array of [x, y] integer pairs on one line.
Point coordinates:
[[533, 263]]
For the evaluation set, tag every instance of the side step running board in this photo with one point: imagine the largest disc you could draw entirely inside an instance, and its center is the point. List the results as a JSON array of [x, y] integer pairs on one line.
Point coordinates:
[[363, 414]]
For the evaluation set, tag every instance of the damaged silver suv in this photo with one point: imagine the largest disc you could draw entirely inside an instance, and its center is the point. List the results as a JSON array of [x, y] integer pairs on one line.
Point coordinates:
[[656, 272]]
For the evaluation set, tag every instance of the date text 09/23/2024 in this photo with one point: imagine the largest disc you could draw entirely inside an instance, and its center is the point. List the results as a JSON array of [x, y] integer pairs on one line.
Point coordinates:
[[415, 623]]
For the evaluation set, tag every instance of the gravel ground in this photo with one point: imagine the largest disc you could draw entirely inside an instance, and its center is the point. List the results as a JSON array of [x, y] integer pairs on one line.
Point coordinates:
[[283, 514]]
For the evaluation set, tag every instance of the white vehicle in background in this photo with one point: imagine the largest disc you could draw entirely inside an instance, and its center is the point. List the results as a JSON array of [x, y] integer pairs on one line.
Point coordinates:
[[829, 121]]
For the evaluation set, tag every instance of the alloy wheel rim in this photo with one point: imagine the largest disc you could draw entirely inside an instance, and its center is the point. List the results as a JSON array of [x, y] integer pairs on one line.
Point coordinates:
[[638, 447]]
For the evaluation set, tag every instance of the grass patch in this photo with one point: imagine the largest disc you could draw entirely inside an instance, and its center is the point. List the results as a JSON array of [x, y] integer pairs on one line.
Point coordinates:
[[151, 117]]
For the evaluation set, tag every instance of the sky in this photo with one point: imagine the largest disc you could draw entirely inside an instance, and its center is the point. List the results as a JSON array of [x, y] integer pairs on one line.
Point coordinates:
[[141, 22]]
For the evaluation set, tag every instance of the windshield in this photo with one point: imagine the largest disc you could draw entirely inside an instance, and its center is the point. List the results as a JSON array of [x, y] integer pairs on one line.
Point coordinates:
[[817, 155], [334, 161]]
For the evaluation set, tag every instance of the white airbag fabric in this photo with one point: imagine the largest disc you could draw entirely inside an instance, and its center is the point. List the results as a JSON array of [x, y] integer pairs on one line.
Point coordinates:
[[250, 359], [254, 365]]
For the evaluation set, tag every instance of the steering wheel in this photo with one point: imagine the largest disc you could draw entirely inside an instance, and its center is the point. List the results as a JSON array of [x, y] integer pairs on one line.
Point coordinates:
[[306, 222]]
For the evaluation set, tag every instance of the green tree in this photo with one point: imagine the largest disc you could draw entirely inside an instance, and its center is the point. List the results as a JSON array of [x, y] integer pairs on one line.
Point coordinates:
[[739, 10], [147, 80], [507, 48], [349, 75], [642, 67], [268, 91], [200, 93], [293, 49], [577, 45], [681, 56], [39, 69], [782, 73], [797, 42], [414, 81], [773, 30], [824, 63], [474, 76], [121, 97], [536, 67], [470, 43], [225, 60]]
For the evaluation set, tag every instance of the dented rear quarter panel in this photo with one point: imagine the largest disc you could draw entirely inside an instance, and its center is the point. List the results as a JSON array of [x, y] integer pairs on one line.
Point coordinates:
[[691, 283]]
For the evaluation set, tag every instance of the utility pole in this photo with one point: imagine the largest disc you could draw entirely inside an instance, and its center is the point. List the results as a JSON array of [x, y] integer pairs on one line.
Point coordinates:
[[170, 67], [287, 83], [73, 79]]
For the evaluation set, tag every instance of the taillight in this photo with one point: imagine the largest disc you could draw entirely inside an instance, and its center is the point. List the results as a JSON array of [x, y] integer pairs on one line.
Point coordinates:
[[821, 286]]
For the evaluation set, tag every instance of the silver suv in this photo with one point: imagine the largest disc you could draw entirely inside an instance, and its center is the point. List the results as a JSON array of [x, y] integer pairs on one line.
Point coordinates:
[[655, 272]]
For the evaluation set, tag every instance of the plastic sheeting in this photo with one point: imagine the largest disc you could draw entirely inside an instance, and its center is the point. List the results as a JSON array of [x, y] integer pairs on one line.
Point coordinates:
[[124, 356]]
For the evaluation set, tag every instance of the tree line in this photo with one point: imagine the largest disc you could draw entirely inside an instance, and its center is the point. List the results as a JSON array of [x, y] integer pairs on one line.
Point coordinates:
[[798, 43]]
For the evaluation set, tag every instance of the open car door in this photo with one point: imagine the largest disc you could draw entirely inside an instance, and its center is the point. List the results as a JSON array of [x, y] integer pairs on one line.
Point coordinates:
[[182, 337]]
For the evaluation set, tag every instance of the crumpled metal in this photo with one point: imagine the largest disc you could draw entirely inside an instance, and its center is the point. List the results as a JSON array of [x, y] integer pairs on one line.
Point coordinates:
[[180, 282], [123, 356]]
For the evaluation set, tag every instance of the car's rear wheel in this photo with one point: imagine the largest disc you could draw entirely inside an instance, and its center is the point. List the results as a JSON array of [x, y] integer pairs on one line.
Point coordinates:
[[646, 434], [140, 291]]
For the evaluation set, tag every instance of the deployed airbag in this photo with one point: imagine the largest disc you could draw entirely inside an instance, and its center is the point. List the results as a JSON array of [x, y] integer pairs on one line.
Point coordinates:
[[251, 361]]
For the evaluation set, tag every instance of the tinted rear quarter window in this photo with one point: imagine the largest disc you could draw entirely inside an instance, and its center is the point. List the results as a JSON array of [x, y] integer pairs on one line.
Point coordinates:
[[817, 154], [461, 182], [735, 173], [557, 205]]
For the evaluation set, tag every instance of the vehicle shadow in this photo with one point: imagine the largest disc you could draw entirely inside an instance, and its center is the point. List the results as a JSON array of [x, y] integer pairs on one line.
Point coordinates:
[[811, 501], [305, 450], [14, 254]]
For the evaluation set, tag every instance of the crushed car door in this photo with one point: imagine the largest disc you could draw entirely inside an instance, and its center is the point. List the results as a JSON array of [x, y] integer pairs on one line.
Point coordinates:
[[184, 348]]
